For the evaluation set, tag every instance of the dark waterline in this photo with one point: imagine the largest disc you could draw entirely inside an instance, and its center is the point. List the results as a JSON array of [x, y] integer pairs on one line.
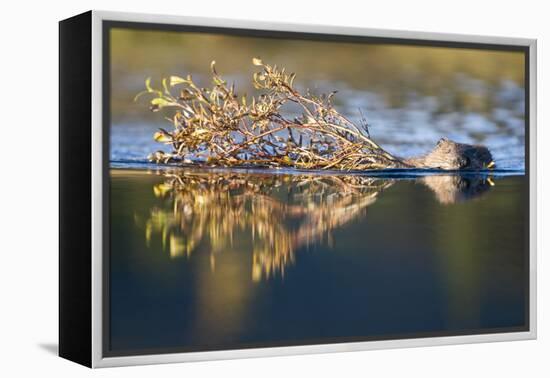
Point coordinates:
[[204, 259]]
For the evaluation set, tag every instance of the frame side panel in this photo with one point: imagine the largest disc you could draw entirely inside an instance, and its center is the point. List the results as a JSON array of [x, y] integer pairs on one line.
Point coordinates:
[[75, 82]]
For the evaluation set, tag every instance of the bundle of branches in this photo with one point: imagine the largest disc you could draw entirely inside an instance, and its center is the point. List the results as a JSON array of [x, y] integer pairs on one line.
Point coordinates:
[[217, 127]]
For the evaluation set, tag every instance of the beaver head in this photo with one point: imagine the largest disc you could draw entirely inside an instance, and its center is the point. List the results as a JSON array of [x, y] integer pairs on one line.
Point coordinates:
[[451, 155]]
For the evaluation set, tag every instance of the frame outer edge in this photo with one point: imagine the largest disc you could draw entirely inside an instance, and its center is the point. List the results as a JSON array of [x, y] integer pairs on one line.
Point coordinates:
[[533, 189], [97, 177], [310, 28], [97, 189]]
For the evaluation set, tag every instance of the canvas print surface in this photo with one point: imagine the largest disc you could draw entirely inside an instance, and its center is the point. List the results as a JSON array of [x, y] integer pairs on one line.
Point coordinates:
[[277, 189]]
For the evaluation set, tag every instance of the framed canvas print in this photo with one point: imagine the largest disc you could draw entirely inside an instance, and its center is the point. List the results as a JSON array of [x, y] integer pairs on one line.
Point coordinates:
[[237, 189]]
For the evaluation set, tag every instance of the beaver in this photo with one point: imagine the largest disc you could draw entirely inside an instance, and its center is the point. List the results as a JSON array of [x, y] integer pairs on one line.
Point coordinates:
[[449, 155]]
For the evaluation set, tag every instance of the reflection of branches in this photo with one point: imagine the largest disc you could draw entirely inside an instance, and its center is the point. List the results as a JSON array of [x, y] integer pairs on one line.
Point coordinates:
[[273, 215], [215, 208]]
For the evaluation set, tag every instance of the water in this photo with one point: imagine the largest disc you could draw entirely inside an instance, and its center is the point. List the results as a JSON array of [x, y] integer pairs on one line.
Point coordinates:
[[234, 258], [410, 95], [211, 259], [224, 259]]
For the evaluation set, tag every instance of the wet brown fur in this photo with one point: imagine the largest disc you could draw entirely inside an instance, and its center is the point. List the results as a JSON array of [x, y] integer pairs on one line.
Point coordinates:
[[449, 155]]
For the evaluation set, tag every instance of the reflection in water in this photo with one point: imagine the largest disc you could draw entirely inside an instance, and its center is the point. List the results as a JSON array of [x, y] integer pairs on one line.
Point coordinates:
[[362, 258], [455, 188], [275, 214]]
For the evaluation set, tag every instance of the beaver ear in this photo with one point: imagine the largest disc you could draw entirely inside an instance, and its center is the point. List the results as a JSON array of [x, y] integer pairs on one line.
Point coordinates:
[[442, 140]]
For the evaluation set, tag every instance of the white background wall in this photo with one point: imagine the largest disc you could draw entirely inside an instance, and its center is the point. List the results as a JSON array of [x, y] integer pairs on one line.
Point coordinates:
[[28, 242]]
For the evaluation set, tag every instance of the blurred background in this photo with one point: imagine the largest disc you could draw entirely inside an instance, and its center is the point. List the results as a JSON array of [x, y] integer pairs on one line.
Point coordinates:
[[410, 95]]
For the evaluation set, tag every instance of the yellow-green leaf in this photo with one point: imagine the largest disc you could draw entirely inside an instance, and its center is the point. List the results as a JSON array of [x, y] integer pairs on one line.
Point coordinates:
[[148, 85], [159, 136], [165, 86], [139, 95], [175, 80], [218, 81], [161, 102]]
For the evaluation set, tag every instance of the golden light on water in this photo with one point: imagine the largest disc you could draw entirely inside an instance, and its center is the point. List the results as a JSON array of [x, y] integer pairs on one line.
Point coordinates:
[[273, 216]]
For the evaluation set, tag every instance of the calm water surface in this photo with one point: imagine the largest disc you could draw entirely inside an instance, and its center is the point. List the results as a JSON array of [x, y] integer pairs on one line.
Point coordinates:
[[207, 259], [210, 259]]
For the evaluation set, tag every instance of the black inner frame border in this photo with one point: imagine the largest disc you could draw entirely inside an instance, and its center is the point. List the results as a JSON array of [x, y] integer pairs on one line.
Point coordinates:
[[108, 25]]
